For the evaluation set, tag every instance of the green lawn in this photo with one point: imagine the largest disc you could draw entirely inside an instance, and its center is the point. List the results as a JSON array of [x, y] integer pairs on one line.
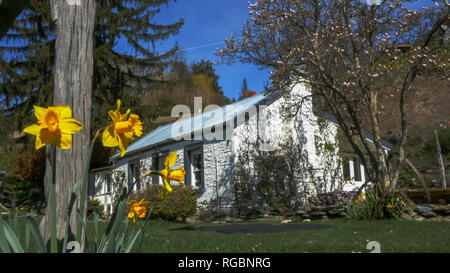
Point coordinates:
[[343, 237]]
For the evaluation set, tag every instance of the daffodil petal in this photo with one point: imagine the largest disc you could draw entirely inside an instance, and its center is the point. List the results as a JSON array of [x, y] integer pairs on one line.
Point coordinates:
[[66, 141], [170, 160], [39, 112], [39, 144], [167, 185], [33, 130], [108, 138], [64, 111], [130, 214], [123, 144], [70, 126], [48, 137]]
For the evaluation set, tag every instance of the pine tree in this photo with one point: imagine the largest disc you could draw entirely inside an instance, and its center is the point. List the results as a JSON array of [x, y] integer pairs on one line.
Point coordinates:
[[27, 52]]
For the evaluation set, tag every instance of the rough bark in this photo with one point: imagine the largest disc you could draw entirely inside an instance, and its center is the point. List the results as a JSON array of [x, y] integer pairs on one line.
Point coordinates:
[[440, 161], [73, 86]]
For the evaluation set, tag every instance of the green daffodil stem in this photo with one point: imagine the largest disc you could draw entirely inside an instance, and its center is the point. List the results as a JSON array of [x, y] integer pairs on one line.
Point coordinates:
[[149, 173], [53, 238], [83, 189]]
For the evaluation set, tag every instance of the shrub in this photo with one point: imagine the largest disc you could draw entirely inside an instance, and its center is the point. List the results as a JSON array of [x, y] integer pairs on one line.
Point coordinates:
[[372, 206], [180, 203], [23, 193], [337, 197], [94, 205]]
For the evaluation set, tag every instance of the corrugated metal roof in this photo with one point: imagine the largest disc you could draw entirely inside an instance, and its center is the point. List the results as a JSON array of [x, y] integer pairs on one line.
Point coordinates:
[[198, 122], [210, 119]]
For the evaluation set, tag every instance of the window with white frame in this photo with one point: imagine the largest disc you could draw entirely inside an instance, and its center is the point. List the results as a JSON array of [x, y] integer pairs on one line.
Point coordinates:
[[196, 168], [352, 168], [133, 175]]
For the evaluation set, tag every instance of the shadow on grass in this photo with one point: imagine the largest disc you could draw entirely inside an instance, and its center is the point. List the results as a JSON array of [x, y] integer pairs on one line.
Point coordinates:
[[254, 228]]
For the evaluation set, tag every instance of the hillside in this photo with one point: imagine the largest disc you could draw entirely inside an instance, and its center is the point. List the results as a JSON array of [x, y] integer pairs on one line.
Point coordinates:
[[428, 109]]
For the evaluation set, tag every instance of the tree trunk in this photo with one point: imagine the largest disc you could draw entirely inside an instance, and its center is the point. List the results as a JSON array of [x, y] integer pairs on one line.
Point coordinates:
[[440, 161], [73, 86]]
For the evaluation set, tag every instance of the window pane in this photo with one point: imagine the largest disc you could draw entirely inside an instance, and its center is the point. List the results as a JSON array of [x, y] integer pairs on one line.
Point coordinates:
[[155, 166], [357, 168], [346, 168]]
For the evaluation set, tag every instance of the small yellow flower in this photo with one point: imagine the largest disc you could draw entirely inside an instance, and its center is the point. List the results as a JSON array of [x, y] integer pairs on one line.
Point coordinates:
[[172, 175], [137, 210], [122, 130], [356, 201], [55, 125], [168, 174], [389, 206]]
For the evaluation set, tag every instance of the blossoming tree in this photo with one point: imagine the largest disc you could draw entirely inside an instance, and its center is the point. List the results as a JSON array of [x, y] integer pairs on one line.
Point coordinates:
[[345, 49]]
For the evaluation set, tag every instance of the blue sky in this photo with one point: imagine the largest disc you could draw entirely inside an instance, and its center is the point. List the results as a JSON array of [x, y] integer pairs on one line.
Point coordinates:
[[206, 24]]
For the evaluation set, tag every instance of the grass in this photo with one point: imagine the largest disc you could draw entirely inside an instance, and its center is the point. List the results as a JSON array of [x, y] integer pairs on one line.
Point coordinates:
[[343, 237]]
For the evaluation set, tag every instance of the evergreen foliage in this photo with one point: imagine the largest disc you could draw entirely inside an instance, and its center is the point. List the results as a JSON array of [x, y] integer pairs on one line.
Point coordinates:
[[27, 52]]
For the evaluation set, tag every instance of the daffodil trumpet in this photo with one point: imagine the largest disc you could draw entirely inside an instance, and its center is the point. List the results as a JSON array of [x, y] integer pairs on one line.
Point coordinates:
[[122, 130], [168, 174]]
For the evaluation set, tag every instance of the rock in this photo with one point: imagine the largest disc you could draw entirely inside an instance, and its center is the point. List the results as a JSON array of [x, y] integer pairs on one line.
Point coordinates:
[[318, 213], [307, 220], [324, 217], [419, 218], [343, 214], [333, 207], [441, 209], [429, 214], [437, 218], [411, 213], [229, 219], [446, 218], [333, 212], [299, 212], [406, 216], [191, 220], [422, 209], [316, 208]]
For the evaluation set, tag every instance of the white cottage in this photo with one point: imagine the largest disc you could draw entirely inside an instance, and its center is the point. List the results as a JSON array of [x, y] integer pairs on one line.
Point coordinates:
[[208, 145]]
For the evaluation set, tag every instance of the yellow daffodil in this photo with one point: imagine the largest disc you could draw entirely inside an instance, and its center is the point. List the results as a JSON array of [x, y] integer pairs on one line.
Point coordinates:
[[356, 201], [168, 174], [172, 175], [122, 130], [55, 125], [389, 206], [137, 210]]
